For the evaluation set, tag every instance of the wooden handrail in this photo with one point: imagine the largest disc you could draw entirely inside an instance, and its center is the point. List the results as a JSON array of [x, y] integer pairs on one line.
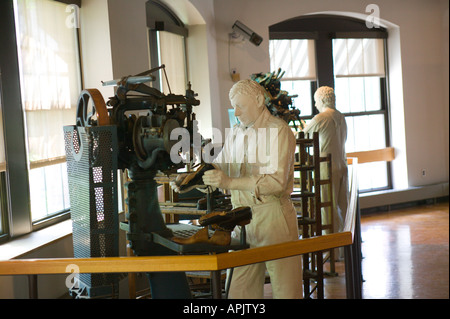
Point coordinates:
[[191, 262], [385, 154], [174, 263]]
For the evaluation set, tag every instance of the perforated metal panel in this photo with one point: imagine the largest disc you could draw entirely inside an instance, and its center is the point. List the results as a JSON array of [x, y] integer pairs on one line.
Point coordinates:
[[92, 175]]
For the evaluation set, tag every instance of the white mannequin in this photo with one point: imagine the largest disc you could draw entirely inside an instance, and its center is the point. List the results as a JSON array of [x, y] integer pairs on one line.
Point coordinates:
[[332, 128], [274, 218]]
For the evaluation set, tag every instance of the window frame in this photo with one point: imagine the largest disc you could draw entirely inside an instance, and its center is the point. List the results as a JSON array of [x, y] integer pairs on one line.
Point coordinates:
[[323, 29], [4, 233], [15, 211]]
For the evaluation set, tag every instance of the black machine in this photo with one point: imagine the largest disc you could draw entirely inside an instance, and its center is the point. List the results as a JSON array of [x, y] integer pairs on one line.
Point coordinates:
[[131, 131]]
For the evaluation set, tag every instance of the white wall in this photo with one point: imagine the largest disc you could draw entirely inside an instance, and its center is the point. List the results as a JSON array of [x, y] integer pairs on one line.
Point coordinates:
[[129, 37], [114, 41], [423, 64], [96, 45]]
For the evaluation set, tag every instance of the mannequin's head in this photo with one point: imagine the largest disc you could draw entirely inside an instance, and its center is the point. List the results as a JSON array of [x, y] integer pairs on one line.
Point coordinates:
[[325, 98], [247, 99]]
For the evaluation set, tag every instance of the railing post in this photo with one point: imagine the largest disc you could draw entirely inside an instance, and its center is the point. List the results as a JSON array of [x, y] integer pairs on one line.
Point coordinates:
[[357, 254], [349, 274], [216, 284], [32, 286], [353, 271]]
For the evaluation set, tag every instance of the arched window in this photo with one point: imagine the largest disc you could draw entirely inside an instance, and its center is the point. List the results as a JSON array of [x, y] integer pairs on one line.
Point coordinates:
[[343, 53]]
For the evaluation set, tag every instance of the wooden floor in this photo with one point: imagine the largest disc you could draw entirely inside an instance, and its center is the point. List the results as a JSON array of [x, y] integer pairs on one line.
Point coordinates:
[[405, 255]]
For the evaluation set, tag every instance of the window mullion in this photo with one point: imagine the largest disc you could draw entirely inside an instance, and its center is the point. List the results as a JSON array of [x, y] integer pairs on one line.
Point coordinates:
[[314, 87], [365, 113], [324, 60], [18, 197]]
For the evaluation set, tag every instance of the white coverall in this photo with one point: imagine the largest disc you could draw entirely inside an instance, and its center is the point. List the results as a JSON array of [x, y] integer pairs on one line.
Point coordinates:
[[332, 128], [274, 219]]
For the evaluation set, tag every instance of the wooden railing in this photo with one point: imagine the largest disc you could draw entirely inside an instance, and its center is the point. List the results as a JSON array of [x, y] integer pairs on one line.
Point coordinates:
[[214, 263], [174, 263], [385, 154]]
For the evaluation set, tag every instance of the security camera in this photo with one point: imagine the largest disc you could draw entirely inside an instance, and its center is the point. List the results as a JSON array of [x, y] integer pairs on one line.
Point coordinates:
[[241, 29]]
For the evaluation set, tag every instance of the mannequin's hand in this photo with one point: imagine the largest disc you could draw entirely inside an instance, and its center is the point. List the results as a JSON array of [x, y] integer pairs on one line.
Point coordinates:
[[303, 123], [175, 185], [216, 178]]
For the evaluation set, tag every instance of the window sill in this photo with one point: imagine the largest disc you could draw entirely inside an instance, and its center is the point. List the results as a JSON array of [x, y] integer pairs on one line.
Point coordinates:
[[398, 196], [23, 245]]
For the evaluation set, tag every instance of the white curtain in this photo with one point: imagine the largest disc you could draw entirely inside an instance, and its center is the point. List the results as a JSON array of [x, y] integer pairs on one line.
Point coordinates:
[[358, 57], [295, 57], [172, 55], [49, 73]]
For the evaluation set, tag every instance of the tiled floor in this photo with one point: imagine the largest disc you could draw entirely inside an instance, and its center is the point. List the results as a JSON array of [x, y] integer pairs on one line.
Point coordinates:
[[405, 256]]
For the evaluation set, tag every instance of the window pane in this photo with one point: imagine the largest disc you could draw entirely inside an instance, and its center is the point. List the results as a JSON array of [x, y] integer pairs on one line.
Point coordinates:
[[49, 74], [48, 191], [372, 92], [295, 57], [358, 94], [377, 136], [37, 193], [361, 133], [342, 95], [172, 55], [65, 185], [303, 89], [54, 188], [280, 56], [358, 57], [372, 176], [350, 143], [365, 133], [50, 83]]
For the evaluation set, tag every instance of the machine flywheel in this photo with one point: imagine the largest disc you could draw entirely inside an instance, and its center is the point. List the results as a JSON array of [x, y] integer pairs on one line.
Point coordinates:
[[91, 109]]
